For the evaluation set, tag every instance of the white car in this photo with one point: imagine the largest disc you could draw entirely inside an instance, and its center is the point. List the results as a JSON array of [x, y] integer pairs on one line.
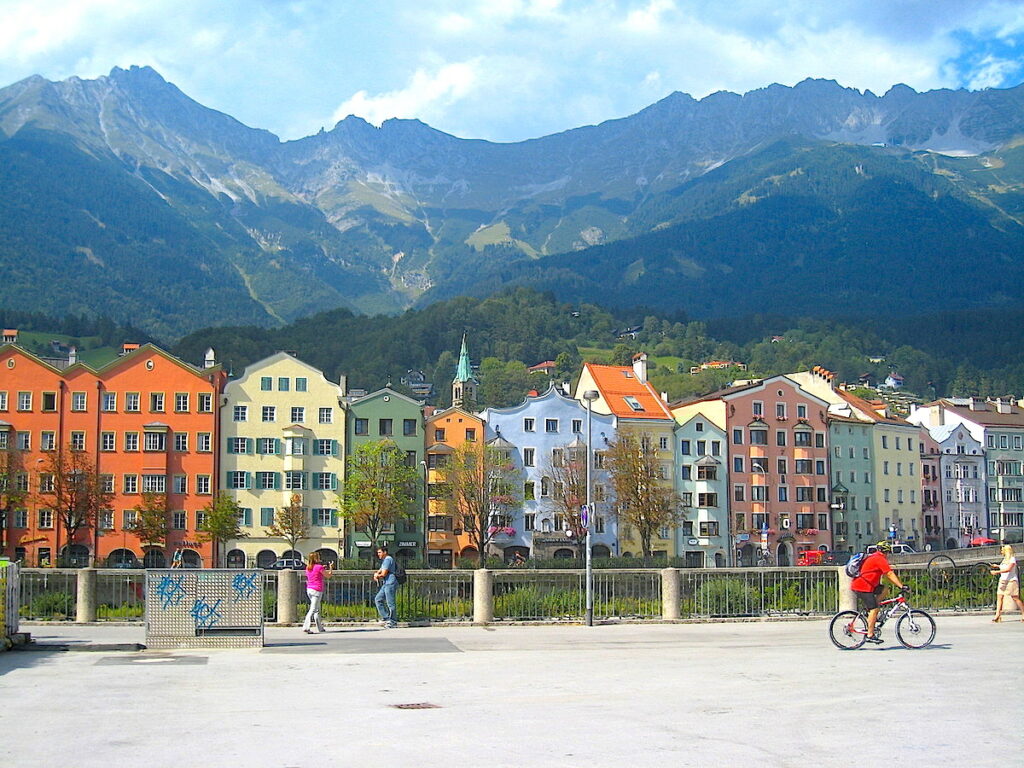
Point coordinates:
[[897, 549]]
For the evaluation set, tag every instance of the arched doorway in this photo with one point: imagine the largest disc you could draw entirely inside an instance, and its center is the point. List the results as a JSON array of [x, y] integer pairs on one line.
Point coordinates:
[[328, 557], [469, 553], [154, 558], [564, 554], [236, 558], [745, 555], [509, 554], [951, 544], [783, 557], [600, 550], [122, 558], [265, 558], [191, 559], [76, 556], [719, 560]]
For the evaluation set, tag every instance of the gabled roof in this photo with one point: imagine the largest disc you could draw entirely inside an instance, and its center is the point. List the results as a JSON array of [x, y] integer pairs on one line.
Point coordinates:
[[986, 415], [625, 395]]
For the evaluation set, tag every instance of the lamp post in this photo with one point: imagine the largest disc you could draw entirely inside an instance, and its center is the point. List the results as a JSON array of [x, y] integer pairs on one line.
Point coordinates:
[[590, 396], [426, 516]]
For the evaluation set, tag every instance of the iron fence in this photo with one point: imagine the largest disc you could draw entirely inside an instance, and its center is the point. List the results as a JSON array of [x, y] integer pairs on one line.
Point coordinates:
[[48, 594], [270, 596], [950, 587], [427, 595], [9, 596], [557, 594], [120, 595], [735, 592]]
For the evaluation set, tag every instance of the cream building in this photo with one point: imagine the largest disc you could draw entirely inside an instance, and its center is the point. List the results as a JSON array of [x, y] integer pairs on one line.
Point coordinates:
[[282, 433]]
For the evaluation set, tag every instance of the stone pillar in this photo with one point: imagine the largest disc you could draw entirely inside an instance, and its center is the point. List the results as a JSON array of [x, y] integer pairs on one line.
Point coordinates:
[[671, 586], [483, 596], [847, 600], [85, 610], [287, 596]]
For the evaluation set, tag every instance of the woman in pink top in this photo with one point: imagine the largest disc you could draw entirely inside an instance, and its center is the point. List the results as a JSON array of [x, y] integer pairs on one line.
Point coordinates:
[[315, 575]]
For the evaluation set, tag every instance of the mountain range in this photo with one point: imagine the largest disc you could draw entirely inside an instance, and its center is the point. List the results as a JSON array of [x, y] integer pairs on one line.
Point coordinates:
[[122, 196]]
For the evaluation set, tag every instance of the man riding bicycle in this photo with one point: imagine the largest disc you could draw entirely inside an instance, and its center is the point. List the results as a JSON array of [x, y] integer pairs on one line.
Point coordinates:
[[868, 584]]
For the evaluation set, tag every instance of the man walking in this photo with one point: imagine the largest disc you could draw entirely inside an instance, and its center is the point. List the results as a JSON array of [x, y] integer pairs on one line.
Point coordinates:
[[385, 576]]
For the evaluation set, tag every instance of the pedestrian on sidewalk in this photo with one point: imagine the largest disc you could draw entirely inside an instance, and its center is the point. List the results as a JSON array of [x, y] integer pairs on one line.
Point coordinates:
[[1009, 583], [385, 600], [316, 574]]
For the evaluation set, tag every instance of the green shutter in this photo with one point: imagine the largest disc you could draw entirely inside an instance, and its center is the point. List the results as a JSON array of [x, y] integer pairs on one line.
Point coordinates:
[[334, 518], [248, 517], [334, 481], [334, 447], [277, 481], [277, 446], [250, 445], [248, 480]]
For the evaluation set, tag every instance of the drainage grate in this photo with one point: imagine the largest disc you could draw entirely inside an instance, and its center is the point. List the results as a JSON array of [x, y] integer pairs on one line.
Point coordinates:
[[420, 705]]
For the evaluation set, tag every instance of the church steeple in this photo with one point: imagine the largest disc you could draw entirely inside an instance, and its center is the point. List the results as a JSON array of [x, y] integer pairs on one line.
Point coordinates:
[[464, 385]]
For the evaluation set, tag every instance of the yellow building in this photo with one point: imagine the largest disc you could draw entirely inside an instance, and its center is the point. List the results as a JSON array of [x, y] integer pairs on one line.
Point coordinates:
[[282, 433]]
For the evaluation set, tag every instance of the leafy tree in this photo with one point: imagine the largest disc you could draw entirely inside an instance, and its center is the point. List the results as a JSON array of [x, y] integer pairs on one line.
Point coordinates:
[[151, 524], [290, 523], [221, 523], [12, 493], [69, 481], [503, 384], [484, 487], [567, 469], [380, 489], [645, 501]]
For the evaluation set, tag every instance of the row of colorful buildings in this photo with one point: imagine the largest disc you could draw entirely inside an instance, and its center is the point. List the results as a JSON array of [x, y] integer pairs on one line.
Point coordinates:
[[763, 471]]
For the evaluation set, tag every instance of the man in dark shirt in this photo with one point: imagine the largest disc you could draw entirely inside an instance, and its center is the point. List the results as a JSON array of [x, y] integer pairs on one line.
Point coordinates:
[[868, 585]]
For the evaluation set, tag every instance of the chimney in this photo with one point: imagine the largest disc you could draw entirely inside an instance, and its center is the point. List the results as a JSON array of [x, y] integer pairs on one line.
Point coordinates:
[[210, 358], [977, 404], [1003, 406], [640, 367], [72, 356], [938, 415]]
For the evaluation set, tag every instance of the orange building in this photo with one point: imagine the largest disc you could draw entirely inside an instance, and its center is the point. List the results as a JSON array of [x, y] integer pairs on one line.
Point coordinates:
[[147, 422], [445, 432]]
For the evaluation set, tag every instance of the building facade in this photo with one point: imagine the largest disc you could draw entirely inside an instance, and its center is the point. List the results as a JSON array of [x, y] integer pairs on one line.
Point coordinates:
[[702, 478]]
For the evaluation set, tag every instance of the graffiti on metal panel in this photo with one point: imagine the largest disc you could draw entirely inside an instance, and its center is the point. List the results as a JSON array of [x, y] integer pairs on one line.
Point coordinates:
[[171, 591], [205, 614], [244, 585]]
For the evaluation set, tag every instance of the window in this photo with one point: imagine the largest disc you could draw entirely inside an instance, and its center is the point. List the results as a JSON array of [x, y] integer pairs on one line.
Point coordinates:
[[300, 384], [325, 481], [885, 441], [545, 487], [737, 464], [737, 437], [758, 493], [156, 441], [804, 493], [577, 426], [802, 438], [325, 416], [46, 483], [240, 413], [106, 519], [298, 414], [238, 480], [897, 443], [801, 411], [708, 528], [325, 518], [819, 439], [108, 402], [529, 457], [685, 471], [266, 383], [181, 402], [283, 384], [819, 467], [3, 401], [131, 441], [783, 493], [551, 425], [47, 441], [179, 484], [557, 457], [684, 447], [130, 484], [803, 466], [759, 437], [698, 426], [295, 481], [266, 481], [108, 441], [204, 442], [633, 403], [156, 402], [739, 492], [663, 445], [757, 408], [154, 483], [470, 434], [528, 425], [707, 473], [49, 401], [780, 410], [206, 402], [707, 500], [23, 441], [24, 401], [181, 442], [78, 401], [716, 447], [324, 447], [268, 413], [203, 484], [78, 441], [384, 427], [295, 446], [46, 518], [781, 466], [361, 427], [200, 520], [178, 520], [266, 516], [237, 445], [885, 467]]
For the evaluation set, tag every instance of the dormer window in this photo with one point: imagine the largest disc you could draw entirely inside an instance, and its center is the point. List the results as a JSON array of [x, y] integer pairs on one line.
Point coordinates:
[[633, 403], [628, 374]]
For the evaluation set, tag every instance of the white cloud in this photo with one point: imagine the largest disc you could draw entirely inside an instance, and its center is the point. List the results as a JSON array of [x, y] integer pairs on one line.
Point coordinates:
[[649, 18], [425, 94], [992, 72]]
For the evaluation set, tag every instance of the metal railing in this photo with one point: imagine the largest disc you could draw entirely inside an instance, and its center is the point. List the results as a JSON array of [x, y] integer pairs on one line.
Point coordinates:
[[735, 592], [9, 597], [48, 594], [551, 595], [121, 595], [968, 587], [426, 596]]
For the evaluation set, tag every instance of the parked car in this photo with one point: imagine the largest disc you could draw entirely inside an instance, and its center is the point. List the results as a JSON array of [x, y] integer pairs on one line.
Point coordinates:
[[897, 549], [283, 563]]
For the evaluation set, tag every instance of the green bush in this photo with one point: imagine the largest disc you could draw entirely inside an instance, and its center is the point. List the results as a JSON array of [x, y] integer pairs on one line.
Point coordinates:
[[50, 605], [122, 611], [725, 597]]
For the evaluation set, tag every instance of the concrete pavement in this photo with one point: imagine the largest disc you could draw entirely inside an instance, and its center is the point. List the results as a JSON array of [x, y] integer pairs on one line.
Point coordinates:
[[716, 694]]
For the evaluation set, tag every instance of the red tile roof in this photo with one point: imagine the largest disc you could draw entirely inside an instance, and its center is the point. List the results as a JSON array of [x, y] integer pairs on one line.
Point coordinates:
[[617, 382]]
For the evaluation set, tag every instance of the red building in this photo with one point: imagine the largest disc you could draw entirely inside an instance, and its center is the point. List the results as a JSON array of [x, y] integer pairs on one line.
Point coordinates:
[[145, 423]]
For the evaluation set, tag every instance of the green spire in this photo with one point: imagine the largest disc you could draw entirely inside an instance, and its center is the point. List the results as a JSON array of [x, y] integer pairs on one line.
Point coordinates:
[[463, 372]]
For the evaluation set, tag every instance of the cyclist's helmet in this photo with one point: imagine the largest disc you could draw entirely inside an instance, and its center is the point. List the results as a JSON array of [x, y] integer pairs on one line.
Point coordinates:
[[884, 546]]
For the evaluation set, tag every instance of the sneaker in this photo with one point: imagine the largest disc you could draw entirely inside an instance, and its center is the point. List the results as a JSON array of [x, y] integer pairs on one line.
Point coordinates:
[[874, 639], [392, 625]]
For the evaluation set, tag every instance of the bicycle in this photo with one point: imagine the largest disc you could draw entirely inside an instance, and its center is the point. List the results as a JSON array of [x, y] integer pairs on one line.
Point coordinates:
[[765, 559], [914, 628], [944, 572]]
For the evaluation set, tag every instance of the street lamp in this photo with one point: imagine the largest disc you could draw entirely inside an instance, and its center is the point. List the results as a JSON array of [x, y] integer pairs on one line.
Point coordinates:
[[590, 396], [426, 516]]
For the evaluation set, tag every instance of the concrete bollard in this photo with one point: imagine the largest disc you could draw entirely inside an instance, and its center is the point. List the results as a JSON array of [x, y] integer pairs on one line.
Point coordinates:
[[847, 600], [85, 604], [483, 596], [671, 587], [287, 596]]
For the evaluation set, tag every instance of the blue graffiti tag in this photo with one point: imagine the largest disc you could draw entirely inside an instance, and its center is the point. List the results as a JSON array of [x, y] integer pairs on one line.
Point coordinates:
[[244, 585], [171, 591], [205, 615]]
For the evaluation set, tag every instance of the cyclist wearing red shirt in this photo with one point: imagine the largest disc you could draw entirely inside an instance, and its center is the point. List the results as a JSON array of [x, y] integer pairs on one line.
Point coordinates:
[[868, 585]]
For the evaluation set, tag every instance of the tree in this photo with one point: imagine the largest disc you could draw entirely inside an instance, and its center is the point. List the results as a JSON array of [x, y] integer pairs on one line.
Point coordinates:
[[380, 489], [290, 522], [151, 524], [645, 501], [12, 490], [567, 469], [221, 523], [69, 481], [484, 488]]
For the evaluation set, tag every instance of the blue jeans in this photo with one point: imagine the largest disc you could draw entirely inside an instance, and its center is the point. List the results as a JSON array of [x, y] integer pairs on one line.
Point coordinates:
[[385, 602]]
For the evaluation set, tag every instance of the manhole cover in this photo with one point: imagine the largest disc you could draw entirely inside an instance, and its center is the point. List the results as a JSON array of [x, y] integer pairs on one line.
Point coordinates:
[[420, 705]]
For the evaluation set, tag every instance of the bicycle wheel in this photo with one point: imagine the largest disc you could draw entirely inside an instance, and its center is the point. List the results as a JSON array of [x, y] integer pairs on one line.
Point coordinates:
[[915, 629], [848, 630], [941, 569], [981, 578]]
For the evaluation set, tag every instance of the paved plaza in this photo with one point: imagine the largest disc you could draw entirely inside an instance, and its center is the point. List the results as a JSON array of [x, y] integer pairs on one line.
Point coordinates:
[[773, 693]]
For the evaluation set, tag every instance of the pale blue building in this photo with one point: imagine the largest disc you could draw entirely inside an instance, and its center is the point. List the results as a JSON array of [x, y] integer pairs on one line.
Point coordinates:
[[702, 482]]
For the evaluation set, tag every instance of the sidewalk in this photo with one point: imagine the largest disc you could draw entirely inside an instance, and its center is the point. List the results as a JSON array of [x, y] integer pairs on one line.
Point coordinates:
[[755, 694]]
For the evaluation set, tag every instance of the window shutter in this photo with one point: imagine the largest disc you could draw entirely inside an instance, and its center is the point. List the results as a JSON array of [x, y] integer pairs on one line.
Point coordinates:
[[277, 446], [334, 483], [250, 445], [277, 481], [248, 480], [334, 518], [334, 447], [248, 517]]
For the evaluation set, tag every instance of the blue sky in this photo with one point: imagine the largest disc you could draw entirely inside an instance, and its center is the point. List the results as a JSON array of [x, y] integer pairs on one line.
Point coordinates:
[[506, 70]]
